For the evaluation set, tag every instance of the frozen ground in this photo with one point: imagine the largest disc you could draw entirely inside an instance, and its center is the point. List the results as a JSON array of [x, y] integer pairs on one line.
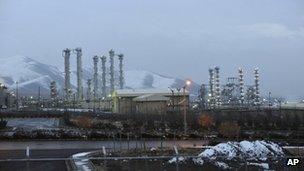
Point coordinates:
[[235, 154], [33, 122]]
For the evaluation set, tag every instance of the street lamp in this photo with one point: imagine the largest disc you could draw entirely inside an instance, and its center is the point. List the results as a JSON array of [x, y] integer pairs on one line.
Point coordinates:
[[187, 83]]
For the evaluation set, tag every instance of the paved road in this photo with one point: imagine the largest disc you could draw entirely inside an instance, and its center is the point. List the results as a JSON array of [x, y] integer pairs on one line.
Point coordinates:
[[64, 149], [36, 165]]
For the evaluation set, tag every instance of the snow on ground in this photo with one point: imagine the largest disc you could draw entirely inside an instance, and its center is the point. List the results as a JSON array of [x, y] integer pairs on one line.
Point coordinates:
[[81, 161], [33, 122], [175, 159], [262, 165], [258, 151], [234, 154]]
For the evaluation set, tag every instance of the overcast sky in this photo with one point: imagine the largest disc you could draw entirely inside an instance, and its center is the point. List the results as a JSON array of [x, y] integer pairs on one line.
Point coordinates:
[[171, 37]]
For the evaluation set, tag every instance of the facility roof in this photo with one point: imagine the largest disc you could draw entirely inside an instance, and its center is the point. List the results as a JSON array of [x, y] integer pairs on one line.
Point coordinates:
[[151, 97], [140, 92]]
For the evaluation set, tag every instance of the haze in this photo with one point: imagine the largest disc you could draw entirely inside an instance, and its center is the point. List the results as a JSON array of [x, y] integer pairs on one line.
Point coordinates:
[[174, 38]]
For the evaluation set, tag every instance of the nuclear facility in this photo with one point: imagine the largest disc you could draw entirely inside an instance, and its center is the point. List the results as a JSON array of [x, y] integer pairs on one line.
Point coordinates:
[[233, 93], [99, 87]]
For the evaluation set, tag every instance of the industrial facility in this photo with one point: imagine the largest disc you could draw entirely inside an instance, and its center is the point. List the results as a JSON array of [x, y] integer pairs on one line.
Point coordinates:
[[153, 101], [104, 90], [234, 93]]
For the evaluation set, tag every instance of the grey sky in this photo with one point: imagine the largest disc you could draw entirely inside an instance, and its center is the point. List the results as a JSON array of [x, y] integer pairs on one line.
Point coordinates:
[[175, 38]]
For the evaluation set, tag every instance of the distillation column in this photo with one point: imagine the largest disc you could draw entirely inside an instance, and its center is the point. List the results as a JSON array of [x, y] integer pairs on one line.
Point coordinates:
[[67, 84], [103, 76], [217, 87], [121, 77], [257, 86], [241, 86], [95, 77], [211, 87], [89, 89], [79, 74], [111, 53]]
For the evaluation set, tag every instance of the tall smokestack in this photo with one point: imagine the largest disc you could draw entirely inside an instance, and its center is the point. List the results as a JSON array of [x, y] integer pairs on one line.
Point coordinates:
[[103, 76], [241, 86], [67, 84], [257, 86], [95, 77], [79, 74], [111, 53], [211, 87], [89, 89], [121, 78], [217, 86]]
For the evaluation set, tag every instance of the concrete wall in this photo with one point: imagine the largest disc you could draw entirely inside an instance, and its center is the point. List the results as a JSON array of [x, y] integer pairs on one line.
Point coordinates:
[[153, 107]]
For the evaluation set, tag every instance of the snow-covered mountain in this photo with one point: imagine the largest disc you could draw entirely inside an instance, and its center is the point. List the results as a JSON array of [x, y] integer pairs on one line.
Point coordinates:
[[32, 74]]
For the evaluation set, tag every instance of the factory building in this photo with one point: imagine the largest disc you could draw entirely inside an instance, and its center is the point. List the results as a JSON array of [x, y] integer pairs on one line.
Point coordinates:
[[149, 101]]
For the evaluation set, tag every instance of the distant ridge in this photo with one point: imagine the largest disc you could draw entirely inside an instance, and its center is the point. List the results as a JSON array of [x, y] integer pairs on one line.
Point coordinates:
[[32, 74]]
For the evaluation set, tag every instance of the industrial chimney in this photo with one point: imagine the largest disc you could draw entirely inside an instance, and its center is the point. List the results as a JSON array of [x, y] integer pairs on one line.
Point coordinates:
[[257, 86], [103, 76], [241, 86], [95, 77], [79, 74], [67, 84], [217, 86], [121, 78], [111, 53]]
